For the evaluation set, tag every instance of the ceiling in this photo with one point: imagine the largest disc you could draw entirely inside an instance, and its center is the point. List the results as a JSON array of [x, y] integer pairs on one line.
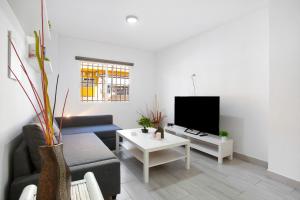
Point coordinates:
[[161, 22]]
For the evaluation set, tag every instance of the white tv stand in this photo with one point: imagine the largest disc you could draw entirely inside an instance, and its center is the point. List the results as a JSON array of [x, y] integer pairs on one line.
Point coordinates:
[[210, 144]]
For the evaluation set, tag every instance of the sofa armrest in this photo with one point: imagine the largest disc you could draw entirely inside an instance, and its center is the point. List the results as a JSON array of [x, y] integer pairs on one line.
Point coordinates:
[[107, 174], [20, 183], [75, 121]]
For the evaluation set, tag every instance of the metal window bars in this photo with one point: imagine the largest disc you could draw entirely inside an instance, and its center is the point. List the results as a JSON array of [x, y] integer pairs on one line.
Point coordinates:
[[104, 81]]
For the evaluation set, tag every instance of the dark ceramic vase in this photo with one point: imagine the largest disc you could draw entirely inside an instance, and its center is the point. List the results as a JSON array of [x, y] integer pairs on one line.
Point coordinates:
[[145, 130], [55, 177], [161, 130]]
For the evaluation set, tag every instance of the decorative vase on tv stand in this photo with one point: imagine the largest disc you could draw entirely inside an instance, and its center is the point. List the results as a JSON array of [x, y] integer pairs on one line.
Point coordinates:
[[55, 178]]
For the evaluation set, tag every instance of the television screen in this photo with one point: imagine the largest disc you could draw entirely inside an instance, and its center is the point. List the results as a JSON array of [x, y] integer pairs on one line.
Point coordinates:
[[199, 113]]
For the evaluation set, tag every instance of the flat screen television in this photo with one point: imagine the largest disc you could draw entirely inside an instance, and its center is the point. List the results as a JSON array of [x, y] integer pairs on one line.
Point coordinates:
[[201, 113]]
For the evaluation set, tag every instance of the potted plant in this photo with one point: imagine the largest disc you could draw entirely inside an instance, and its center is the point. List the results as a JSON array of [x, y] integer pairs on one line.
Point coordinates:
[[145, 122], [224, 135]]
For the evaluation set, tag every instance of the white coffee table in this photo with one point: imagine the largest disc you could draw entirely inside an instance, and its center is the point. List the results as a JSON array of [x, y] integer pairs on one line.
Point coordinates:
[[152, 152]]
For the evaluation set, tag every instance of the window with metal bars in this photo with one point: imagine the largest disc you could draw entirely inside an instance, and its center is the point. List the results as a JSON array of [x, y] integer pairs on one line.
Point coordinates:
[[104, 81]]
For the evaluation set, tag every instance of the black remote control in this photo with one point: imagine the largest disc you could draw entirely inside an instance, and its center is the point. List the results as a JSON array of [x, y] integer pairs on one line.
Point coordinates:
[[203, 134]]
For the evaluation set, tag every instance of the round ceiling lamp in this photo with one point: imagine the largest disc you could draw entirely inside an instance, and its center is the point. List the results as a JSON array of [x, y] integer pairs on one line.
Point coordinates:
[[131, 19]]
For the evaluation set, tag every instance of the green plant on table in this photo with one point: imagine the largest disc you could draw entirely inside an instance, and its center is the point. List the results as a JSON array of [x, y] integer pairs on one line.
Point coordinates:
[[223, 133], [145, 122]]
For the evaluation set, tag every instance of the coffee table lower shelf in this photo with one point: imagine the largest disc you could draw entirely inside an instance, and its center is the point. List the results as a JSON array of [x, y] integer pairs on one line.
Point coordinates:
[[152, 152], [155, 158]]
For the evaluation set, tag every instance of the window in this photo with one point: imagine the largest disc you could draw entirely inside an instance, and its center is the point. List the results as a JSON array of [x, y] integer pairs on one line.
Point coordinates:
[[104, 81]]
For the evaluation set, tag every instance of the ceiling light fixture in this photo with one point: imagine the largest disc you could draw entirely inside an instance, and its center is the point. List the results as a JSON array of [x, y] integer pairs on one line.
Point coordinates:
[[131, 19]]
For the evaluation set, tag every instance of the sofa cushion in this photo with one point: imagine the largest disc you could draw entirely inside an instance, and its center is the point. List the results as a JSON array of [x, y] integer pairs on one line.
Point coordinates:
[[85, 120], [85, 148], [33, 136], [91, 129], [55, 124], [21, 161]]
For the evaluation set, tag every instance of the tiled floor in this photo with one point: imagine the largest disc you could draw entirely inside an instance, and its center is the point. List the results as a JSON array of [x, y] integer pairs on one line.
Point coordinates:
[[206, 180]]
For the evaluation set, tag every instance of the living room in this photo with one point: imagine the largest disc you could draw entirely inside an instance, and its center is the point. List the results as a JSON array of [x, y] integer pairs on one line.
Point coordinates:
[[111, 64]]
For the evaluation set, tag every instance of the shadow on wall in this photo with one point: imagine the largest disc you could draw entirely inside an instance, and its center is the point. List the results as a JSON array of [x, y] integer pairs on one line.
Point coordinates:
[[235, 127], [7, 163]]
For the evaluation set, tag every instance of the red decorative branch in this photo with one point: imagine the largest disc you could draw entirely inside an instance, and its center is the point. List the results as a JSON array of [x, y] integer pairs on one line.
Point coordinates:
[[26, 73], [62, 116], [44, 133], [43, 104], [55, 95]]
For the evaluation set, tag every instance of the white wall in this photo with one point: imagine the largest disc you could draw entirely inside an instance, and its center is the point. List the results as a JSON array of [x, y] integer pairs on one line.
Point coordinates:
[[230, 61], [284, 139], [141, 77], [15, 110]]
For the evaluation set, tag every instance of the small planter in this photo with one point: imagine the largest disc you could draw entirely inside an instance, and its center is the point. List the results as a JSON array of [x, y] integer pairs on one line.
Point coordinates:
[[224, 139], [145, 130], [224, 135]]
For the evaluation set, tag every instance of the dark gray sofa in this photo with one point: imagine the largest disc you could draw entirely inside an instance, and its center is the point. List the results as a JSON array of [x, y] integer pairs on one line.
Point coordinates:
[[101, 125], [83, 152]]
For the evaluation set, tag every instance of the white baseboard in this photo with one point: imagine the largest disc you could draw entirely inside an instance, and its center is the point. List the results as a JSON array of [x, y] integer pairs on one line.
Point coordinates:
[[251, 160], [272, 175], [284, 180]]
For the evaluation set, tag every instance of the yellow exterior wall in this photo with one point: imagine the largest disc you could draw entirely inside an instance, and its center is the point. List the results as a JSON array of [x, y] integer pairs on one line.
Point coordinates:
[[91, 91], [88, 91]]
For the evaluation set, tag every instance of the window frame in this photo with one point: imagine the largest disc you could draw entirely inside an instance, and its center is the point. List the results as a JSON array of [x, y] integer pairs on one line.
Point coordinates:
[[113, 65]]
